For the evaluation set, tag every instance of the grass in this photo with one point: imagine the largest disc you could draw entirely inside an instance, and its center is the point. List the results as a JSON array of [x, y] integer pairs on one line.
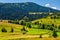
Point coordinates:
[[8, 27], [17, 28], [32, 32], [48, 21], [38, 31], [37, 39], [58, 34], [17, 34]]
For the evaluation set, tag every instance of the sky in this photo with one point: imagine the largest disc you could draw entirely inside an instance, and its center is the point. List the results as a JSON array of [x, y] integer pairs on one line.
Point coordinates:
[[55, 4]]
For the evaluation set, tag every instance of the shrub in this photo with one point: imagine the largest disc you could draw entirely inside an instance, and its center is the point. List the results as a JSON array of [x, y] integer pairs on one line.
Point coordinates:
[[12, 30], [40, 35], [51, 17], [43, 26], [29, 25], [54, 34], [4, 30], [59, 27], [51, 28], [24, 30], [52, 25], [36, 23], [22, 23]]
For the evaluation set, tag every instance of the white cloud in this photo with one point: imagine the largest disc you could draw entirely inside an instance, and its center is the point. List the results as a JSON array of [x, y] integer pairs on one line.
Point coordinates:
[[54, 7], [47, 5]]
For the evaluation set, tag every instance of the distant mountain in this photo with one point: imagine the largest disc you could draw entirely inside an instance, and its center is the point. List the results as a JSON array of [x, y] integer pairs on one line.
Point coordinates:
[[13, 11]]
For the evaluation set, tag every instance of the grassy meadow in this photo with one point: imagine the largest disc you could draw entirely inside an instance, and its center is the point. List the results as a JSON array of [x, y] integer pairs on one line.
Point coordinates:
[[33, 30], [17, 34]]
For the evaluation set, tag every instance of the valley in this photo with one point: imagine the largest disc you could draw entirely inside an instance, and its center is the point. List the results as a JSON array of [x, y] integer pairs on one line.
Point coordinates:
[[28, 21]]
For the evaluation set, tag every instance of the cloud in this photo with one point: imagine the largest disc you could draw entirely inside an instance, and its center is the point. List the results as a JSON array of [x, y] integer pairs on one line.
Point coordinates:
[[54, 7], [47, 5]]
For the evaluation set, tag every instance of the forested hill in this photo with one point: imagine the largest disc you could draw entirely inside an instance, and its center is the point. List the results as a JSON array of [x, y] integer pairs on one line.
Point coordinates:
[[19, 10]]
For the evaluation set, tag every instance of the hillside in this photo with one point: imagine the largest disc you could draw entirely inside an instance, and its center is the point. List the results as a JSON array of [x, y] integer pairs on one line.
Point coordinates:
[[8, 27], [48, 21], [13, 11]]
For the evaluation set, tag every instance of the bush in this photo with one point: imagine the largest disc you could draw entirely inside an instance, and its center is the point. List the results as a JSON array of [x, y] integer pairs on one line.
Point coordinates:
[[51, 28], [40, 35], [29, 26], [22, 23], [12, 30], [59, 27], [4, 30], [43, 26], [54, 34], [24, 30], [36, 23]]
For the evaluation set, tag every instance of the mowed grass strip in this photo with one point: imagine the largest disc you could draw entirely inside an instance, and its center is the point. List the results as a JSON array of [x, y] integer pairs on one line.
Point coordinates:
[[38, 31], [36, 39]]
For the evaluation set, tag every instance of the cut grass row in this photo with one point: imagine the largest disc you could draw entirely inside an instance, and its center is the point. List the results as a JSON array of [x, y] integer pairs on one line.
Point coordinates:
[[38, 31], [37, 39]]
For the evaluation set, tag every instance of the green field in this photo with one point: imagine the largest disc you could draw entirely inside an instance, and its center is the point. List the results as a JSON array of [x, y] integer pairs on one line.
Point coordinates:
[[17, 31], [38, 31], [32, 32]]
